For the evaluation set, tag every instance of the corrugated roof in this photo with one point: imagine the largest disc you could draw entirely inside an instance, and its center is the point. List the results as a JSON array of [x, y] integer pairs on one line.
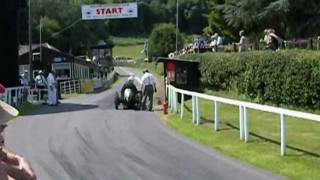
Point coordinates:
[[23, 49]]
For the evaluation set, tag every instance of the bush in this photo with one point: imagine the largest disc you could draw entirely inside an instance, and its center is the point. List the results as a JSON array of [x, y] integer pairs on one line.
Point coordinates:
[[289, 77], [162, 40]]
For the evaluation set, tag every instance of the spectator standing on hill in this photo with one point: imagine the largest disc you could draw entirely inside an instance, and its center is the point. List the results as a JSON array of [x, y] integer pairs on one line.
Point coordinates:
[[216, 43], [272, 40], [243, 43]]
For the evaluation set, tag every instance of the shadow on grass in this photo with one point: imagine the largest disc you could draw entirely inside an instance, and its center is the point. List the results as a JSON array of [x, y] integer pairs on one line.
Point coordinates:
[[265, 139]]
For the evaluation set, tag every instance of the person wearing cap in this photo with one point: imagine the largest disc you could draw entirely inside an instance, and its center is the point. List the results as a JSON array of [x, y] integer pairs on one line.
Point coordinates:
[[41, 83], [12, 166], [52, 89], [148, 88]]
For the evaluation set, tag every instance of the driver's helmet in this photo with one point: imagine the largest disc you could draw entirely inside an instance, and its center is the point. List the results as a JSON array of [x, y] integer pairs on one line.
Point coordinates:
[[131, 78]]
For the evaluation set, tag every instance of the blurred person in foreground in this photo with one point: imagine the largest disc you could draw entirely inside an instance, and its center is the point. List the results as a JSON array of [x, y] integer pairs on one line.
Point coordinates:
[[12, 166]]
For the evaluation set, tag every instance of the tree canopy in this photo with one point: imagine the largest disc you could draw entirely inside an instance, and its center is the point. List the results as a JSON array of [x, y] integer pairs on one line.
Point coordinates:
[[290, 18]]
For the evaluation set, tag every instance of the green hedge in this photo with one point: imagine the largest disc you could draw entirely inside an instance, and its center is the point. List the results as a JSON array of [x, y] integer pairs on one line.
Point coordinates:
[[290, 77]]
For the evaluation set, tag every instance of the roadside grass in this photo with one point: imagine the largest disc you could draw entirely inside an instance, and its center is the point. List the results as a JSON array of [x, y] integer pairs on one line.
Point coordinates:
[[26, 108], [263, 150]]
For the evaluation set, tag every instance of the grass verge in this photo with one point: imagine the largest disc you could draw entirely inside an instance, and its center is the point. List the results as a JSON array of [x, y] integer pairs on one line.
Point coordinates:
[[263, 149], [26, 108]]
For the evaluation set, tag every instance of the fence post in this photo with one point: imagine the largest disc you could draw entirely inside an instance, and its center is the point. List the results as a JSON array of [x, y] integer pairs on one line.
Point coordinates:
[[246, 124], [182, 106], [198, 110], [177, 102], [69, 87], [193, 109], [216, 116], [283, 135], [169, 97], [241, 122]]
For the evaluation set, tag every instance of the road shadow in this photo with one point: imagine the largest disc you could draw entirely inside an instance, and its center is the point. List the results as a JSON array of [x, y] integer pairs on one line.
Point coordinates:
[[259, 138], [61, 108]]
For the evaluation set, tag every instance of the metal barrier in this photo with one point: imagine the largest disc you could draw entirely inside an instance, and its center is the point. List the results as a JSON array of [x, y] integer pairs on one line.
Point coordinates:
[[172, 94], [69, 87], [15, 96]]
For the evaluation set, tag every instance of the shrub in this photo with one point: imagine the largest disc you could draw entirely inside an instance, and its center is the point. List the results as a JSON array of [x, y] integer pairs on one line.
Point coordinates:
[[289, 77], [162, 40]]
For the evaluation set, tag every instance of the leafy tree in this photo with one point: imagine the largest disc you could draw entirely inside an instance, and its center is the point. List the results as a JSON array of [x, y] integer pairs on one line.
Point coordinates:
[[162, 40]]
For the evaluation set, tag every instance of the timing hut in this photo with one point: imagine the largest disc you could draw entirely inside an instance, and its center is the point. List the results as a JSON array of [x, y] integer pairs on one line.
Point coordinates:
[[181, 73]]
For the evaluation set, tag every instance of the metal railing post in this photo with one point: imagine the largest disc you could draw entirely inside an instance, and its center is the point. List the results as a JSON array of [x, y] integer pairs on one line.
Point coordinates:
[[283, 134], [216, 116], [182, 106]]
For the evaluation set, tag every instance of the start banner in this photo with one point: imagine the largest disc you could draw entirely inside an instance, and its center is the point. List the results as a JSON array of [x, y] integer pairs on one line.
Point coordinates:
[[109, 11]]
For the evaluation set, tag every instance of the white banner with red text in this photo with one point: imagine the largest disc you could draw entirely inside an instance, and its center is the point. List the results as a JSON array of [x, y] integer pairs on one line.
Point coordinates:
[[109, 11]]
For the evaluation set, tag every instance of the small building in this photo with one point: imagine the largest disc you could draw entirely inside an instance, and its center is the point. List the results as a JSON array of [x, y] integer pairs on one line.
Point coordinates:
[[181, 73], [102, 55], [67, 66]]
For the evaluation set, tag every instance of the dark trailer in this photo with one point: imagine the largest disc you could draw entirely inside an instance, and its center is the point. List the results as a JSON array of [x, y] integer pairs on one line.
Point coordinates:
[[181, 73]]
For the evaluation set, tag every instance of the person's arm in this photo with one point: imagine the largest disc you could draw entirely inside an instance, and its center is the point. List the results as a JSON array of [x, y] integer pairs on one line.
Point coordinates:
[[17, 167]]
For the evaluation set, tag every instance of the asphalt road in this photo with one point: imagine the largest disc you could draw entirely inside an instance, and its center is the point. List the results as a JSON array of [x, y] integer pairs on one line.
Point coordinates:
[[84, 138]]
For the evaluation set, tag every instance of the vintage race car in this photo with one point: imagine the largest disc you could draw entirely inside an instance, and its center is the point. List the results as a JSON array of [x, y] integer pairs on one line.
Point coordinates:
[[129, 99]]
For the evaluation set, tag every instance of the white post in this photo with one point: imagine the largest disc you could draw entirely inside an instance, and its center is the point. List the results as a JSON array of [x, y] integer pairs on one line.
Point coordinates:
[[198, 110], [246, 124], [216, 116], [241, 122], [283, 135], [193, 109], [175, 102], [182, 106]]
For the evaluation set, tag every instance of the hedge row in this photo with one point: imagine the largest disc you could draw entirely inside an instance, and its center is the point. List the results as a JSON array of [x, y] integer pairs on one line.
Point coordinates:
[[289, 77]]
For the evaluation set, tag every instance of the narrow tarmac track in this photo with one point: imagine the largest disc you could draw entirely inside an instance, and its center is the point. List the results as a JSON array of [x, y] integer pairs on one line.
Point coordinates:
[[84, 138]]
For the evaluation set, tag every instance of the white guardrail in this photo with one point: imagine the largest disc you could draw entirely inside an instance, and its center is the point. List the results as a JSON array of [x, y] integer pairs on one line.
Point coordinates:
[[69, 87], [172, 94]]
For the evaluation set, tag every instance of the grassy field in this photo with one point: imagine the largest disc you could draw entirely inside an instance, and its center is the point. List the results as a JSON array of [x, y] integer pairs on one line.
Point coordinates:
[[263, 149], [130, 51], [128, 46]]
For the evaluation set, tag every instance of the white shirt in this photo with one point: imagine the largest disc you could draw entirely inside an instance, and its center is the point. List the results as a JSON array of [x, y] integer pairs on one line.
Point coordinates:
[[51, 80], [148, 79]]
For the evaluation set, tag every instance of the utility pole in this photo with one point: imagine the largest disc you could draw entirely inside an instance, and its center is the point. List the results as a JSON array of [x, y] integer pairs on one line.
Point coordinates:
[[40, 39], [30, 41], [177, 26]]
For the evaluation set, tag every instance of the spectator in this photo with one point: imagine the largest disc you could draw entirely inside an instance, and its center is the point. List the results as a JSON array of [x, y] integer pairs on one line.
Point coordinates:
[[272, 40], [52, 89], [216, 43], [12, 166], [243, 43], [41, 83]]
